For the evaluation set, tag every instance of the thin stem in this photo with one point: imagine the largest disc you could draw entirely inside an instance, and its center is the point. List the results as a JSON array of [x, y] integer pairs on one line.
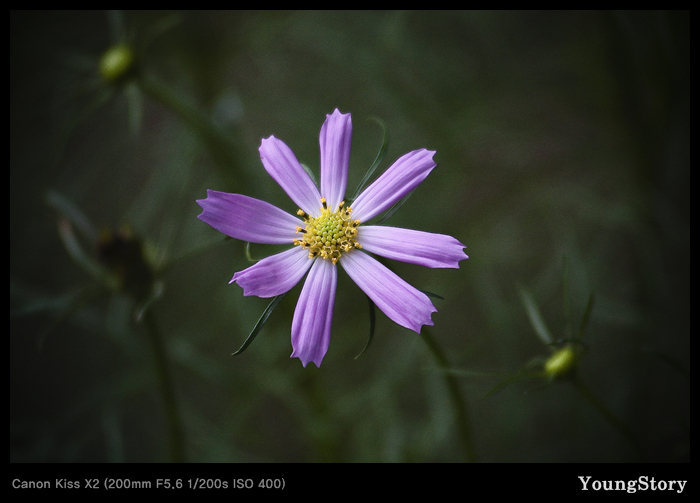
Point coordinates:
[[225, 147], [607, 413], [177, 447], [460, 406]]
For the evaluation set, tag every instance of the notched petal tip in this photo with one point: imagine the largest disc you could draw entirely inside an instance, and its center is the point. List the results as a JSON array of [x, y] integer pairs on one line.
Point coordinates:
[[305, 361], [248, 219], [204, 202], [399, 180], [335, 141], [313, 315], [273, 275], [401, 302], [412, 246], [283, 166]]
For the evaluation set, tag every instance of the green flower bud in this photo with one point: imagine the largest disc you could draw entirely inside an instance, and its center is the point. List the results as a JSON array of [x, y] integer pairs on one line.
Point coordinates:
[[123, 255], [116, 62], [562, 363]]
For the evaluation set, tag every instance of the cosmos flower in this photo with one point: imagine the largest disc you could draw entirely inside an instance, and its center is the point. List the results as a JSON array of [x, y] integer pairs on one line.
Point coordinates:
[[327, 232]]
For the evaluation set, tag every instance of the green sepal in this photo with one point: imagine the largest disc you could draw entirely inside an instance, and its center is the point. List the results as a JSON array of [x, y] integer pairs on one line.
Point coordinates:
[[668, 360], [74, 214], [372, 319], [311, 174], [377, 160], [248, 255], [562, 342], [72, 219], [388, 214], [527, 372], [536, 320], [155, 294], [586, 317], [431, 294], [261, 322]]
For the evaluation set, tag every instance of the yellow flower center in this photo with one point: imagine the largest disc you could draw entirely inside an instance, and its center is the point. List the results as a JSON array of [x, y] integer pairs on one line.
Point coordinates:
[[330, 234]]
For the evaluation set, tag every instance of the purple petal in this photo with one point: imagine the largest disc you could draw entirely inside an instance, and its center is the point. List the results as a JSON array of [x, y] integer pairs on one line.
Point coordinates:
[[397, 181], [401, 302], [311, 326], [282, 165], [274, 275], [335, 138], [415, 247], [248, 219]]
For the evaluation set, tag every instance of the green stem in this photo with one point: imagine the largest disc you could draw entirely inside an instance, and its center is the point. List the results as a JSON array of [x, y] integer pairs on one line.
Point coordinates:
[[225, 147], [607, 413], [177, 447], [460, 406]]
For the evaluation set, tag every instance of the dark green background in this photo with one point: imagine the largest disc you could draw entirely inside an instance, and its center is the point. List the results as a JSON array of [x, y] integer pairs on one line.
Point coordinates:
[[558, 135]]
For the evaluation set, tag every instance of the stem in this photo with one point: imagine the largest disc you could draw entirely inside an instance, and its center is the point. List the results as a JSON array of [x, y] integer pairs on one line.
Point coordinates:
[[460, 406], [225, 147], [177, 448], [607, 413]]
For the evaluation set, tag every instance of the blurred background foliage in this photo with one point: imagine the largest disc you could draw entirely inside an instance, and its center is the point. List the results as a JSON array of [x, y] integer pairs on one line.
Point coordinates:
[[562, 144]]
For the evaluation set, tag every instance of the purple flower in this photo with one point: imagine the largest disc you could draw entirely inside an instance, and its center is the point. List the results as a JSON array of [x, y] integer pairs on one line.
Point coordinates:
[[327, 232]]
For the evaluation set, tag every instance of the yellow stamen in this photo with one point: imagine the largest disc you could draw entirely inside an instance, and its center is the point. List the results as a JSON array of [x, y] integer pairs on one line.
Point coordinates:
[[329, 234]]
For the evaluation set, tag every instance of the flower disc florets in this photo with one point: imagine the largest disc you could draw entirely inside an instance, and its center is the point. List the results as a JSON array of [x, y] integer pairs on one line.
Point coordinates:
[[329, 234]]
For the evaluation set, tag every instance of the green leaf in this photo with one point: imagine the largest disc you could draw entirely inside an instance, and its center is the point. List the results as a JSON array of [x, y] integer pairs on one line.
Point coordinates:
[[261, 322], [72, 213]]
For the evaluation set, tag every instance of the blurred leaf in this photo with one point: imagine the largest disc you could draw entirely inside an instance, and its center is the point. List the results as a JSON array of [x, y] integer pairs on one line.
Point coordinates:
[[69, 210], [134, 99], [75, 250], [533, 313]]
